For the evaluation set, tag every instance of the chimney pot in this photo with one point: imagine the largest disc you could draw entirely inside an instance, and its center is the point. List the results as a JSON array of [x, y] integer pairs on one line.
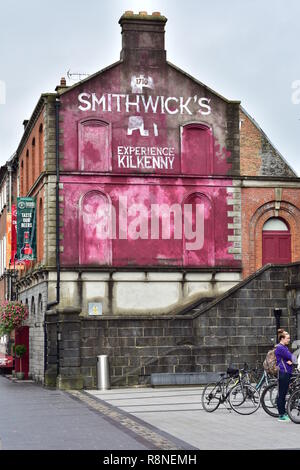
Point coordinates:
[[143, 13], [156, 13], [62, 85]]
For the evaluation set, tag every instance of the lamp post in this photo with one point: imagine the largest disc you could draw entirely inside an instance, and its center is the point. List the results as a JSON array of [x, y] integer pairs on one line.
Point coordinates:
[[277, 314]]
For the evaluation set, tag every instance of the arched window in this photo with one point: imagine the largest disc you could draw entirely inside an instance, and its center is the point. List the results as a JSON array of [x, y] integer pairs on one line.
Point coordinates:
[[94, 145], [198, 229], [276, 241], [26, 173], [275, 224], [40, 305], [40, 234], [32, 310], [33, 164], [22, 179], [41, 149], [94, 226], [196, 149]]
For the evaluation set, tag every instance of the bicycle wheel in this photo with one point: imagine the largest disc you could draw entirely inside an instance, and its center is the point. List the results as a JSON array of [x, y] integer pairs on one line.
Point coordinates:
[[211, 397], [244, 399], [293, 406], [269, 400]]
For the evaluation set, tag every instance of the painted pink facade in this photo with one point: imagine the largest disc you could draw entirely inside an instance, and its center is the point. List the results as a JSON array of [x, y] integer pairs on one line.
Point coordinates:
[[138, 134]]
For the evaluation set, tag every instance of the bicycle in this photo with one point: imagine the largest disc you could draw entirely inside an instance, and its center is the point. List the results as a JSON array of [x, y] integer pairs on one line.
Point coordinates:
[[293, 406], [242, 397], [260, 379], [270, 393]]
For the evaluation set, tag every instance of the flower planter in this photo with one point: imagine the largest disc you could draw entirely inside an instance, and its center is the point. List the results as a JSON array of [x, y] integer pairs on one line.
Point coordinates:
[[20, 375], [12, 316]]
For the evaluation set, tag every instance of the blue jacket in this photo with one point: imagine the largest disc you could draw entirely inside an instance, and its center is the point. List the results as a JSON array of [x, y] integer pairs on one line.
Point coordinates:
[[282, 356]]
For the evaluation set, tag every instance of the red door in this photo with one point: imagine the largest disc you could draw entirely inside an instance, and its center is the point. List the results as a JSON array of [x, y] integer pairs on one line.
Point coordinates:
[[22, 337], [276, 247]]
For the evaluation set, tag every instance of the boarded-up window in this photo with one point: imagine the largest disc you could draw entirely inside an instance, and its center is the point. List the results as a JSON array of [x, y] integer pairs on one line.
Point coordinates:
[[196, 150], [199, 239], [94, 230], [94, 146]]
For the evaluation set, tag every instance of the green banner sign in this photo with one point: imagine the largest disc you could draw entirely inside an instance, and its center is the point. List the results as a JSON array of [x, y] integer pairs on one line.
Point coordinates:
[[26, 228]]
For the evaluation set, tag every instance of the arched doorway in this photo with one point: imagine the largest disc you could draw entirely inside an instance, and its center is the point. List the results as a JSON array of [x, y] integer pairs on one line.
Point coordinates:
[[276, 242], [22, 337]]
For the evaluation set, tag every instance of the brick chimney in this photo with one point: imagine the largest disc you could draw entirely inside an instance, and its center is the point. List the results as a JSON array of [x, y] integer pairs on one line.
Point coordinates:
[[143, 38], [62, 86]]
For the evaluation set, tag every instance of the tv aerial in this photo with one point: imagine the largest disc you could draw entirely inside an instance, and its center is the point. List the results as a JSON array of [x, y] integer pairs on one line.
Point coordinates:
[[76, 76]]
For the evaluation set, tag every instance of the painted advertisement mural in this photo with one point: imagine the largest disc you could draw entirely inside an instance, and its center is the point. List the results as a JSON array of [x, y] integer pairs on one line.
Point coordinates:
[[143, 155], [26, 229]]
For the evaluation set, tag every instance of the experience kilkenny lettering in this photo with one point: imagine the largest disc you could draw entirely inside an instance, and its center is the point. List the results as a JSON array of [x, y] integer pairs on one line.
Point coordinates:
[[146, 157]]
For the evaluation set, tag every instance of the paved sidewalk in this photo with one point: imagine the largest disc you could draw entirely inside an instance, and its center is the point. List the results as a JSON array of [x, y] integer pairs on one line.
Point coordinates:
[[178, 412], [35, 418]]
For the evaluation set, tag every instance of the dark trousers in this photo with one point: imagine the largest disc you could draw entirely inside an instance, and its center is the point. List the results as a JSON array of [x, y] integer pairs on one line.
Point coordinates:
[[283, 385]]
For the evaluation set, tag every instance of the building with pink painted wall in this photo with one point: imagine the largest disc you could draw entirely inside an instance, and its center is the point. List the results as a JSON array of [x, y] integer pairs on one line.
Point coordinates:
[[142, 144], [141, 188]]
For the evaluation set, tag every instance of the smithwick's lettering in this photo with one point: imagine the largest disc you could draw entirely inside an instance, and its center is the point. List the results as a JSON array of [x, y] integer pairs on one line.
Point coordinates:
[[122, 103]]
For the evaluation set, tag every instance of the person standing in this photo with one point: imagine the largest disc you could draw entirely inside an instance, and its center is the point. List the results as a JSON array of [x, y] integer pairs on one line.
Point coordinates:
[[284, 361]]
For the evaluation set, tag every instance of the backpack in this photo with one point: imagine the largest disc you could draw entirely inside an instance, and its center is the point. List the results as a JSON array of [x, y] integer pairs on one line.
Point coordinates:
[[269, 363]]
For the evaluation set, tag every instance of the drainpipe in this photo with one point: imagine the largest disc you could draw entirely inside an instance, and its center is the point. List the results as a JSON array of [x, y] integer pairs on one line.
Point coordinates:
[[55, 302], [52, 304]]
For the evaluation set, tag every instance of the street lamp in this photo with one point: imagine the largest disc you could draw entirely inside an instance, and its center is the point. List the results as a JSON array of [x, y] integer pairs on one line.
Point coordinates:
[[277, 314]]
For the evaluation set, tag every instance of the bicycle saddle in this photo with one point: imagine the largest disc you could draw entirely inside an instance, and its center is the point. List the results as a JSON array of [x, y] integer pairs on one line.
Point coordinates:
[[232, 372]]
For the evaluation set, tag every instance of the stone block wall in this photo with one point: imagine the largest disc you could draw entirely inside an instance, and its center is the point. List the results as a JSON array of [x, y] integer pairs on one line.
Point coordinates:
[[238, 327], [36, 298]]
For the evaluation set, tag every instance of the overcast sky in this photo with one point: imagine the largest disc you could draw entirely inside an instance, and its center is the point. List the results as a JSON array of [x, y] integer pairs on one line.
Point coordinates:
[[246, 50]]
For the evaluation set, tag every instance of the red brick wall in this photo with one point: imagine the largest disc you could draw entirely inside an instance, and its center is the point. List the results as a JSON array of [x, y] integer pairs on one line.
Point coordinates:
[[258, 205], [250, 140], [31, 158]]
